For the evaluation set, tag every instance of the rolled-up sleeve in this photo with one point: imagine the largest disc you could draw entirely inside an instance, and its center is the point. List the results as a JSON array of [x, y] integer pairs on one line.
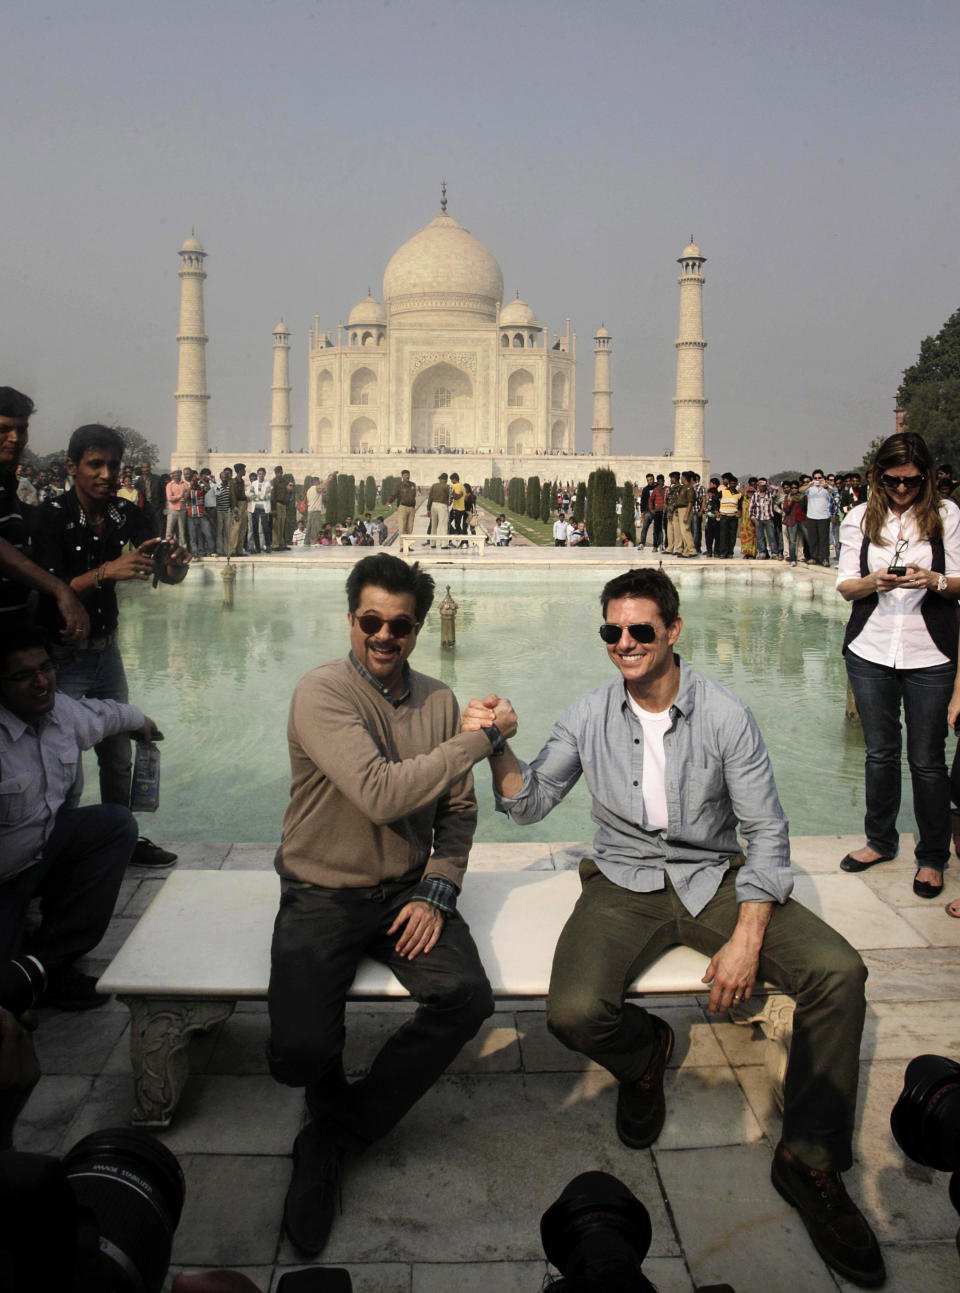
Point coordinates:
[[553, 774]]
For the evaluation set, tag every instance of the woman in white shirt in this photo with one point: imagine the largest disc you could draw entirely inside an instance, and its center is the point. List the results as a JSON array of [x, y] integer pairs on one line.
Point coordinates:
[[900, 566]]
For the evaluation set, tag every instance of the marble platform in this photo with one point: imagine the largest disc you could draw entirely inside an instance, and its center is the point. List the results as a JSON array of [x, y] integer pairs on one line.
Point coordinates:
[[451, 1200]]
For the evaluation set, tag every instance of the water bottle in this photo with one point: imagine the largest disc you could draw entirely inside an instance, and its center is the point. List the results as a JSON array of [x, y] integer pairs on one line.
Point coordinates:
[[145, 787]]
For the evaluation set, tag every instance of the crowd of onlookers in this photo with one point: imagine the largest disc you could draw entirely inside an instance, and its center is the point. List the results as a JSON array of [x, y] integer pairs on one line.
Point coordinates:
[[797, 519]]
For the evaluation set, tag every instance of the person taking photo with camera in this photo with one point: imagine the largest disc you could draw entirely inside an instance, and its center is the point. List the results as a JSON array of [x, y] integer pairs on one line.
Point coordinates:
[[82, 537]]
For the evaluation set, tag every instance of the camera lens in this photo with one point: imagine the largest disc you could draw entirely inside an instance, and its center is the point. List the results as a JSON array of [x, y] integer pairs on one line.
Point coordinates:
[[134, 1187], [23, 982], [926, 1119]]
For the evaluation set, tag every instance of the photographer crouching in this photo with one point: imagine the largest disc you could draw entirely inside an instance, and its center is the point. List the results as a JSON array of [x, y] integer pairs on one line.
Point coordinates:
[[72, 858]]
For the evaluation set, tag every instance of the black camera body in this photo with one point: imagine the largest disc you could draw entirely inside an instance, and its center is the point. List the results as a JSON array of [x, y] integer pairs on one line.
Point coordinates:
[[101, 1220], [23, 981]]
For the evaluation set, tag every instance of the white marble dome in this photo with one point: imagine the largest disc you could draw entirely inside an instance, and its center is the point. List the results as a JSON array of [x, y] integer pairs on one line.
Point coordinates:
[[690, 251], [191, 244], [443, 260], [369, 310], [517, 314]]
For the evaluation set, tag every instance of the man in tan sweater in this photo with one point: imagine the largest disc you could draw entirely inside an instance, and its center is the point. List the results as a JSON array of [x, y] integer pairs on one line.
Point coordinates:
[[374, 847]]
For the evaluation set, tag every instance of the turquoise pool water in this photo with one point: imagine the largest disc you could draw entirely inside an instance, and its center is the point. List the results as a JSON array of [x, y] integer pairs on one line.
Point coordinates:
[[218, 683]]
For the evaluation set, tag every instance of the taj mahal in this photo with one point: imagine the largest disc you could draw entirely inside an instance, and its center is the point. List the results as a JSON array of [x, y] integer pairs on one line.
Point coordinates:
[[442, 367]]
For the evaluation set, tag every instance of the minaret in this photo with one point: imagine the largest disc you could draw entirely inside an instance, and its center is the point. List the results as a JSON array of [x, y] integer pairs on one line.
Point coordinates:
[[193, 440], [280, 392], [602, 391], [689, 400]]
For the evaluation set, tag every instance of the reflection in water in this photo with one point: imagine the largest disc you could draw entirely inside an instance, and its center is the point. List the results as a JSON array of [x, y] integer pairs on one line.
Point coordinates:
[[219, 684]]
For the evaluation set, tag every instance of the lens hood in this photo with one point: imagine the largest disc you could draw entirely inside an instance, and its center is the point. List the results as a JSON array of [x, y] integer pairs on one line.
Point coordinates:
[[925, 1121]]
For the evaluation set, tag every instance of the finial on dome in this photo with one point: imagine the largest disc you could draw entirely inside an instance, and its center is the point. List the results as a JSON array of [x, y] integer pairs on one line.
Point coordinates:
[[443, 196]]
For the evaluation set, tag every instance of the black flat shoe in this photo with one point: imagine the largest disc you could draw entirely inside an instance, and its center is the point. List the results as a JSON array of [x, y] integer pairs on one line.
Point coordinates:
[[850, 863], [924, 889]]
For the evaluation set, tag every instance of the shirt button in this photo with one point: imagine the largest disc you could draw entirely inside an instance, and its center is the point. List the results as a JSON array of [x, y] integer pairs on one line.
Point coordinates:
[[636, 740], [636, 783]]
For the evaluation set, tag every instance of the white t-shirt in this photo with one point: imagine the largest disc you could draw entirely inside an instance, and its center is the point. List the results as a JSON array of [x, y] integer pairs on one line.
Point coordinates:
[[655, 728]]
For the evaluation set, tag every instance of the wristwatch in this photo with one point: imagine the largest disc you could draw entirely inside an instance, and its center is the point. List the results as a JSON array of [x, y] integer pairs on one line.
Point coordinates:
[[941, 583], [498, 744]]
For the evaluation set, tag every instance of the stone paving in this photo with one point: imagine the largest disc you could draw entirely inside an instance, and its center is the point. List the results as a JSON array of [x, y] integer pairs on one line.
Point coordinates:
[[451, 1200]]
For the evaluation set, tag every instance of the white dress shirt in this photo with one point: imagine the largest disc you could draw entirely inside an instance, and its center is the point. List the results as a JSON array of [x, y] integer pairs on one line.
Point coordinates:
[[38, 769], [896, 634]]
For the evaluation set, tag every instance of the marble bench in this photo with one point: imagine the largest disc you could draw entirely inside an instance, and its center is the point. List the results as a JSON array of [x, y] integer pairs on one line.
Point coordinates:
[[454, 542], [204, 943]]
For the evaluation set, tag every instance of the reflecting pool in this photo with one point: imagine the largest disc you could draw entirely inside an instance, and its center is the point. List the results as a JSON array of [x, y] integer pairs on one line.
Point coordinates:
[[218, 684]]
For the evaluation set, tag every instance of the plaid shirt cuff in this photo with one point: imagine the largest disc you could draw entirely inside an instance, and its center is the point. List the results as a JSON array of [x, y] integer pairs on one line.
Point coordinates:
[[438, 892]]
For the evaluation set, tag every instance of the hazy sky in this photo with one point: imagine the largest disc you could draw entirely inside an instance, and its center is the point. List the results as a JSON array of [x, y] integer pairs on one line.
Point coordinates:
[[811, 148]]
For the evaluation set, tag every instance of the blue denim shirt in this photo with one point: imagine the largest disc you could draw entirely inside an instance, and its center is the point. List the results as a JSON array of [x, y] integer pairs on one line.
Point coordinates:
[[717, 774]]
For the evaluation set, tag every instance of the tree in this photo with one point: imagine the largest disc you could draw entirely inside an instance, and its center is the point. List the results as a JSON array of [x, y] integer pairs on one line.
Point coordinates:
[[516, 494], [580, 502], [138, 448], [533, 497], [547, 495], [602, 512], [628, 518], [387, 486], [333, 501], [929, 394]]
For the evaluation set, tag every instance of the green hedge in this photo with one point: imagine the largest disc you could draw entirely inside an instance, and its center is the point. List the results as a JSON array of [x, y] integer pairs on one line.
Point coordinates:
[[601, 516]]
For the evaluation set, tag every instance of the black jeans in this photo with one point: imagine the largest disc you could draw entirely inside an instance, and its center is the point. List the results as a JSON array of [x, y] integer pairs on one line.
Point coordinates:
[[77, 879], [879, 691], [818, 534], [728, 535], [319, 938]]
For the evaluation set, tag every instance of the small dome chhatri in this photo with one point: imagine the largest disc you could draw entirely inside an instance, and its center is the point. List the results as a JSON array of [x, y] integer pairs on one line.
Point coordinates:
[[369, 310], [518, 314]]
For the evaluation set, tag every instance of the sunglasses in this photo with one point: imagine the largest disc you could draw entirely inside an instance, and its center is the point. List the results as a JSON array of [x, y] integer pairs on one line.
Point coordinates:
[[906, 482], [371, 624], [611, 633]]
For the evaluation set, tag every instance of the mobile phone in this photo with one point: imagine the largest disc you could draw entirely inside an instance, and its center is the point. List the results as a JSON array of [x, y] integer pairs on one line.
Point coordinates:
[[896, 570]]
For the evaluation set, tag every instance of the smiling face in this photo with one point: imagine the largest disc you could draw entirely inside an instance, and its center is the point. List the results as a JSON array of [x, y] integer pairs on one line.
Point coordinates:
[[28, 683], [644, 665], [96, 475], [382, 655]]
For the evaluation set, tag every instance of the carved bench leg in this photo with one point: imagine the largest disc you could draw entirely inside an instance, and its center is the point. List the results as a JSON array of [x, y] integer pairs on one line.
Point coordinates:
[[160, 1029], [774, 1015]]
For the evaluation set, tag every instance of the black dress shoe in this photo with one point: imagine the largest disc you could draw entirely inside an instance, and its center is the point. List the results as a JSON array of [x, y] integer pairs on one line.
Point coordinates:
[[314, 1189], [924, 889], [70, 989], [641, 1107], [850, 863], [836, 1225]]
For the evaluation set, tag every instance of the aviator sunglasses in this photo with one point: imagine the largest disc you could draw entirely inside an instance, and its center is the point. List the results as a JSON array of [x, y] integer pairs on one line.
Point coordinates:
[[611, 633], [371, 624]]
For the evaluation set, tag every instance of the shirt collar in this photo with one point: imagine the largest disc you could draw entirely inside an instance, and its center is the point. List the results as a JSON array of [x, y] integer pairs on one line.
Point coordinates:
[[15, 726], [384, 691]]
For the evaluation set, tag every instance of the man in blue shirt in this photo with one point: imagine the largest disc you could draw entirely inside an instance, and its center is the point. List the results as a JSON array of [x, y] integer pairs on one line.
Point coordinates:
[[72, 858], [676, 766]]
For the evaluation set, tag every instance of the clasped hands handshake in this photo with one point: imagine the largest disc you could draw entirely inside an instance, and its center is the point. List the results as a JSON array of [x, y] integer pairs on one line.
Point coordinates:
[[484, 713]]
